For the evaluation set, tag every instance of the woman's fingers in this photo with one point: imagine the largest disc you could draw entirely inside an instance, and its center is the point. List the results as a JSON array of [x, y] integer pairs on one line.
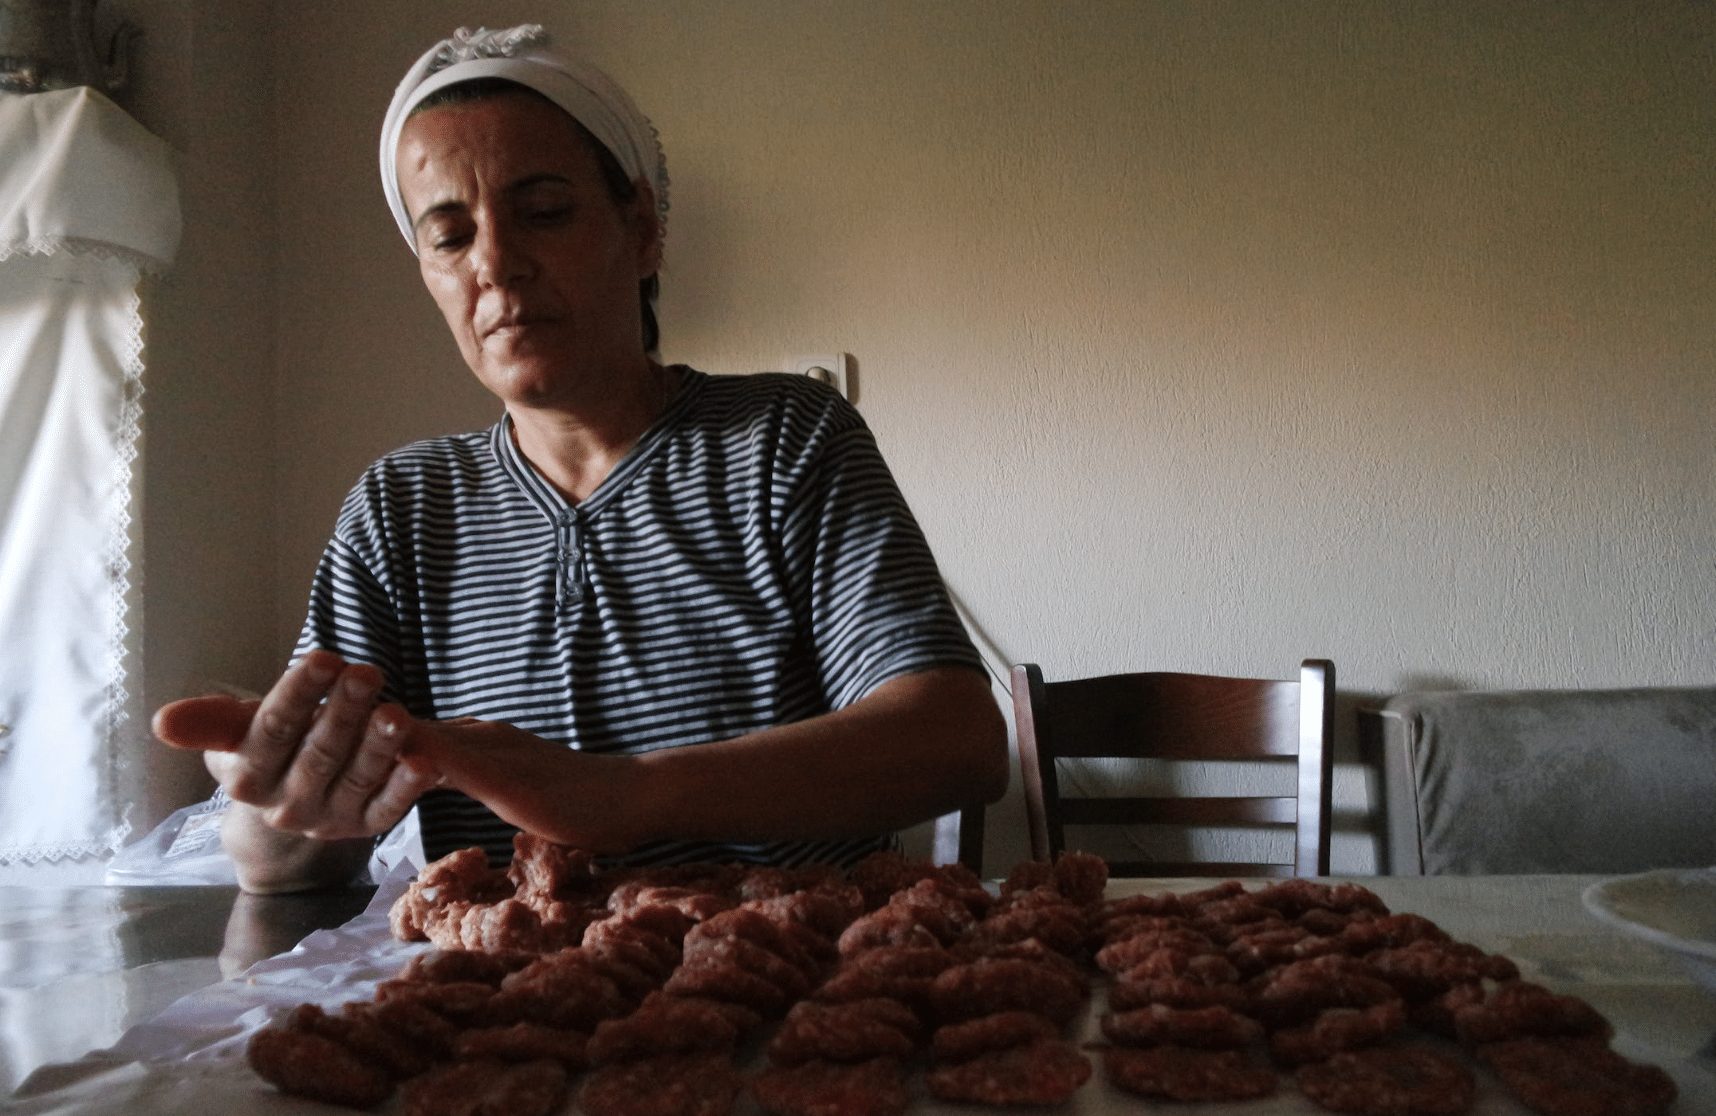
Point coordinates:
[[379, 740], [309, 800], [404, 786], [216, 723], [272, 745]]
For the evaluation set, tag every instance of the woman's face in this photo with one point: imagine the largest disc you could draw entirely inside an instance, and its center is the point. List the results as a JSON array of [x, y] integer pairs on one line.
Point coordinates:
[[532, 262]]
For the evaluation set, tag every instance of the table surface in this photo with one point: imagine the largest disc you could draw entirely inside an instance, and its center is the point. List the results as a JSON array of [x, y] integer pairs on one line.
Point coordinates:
[[79, 966]]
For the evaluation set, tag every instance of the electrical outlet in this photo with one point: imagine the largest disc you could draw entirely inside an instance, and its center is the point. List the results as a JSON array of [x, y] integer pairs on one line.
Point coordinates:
[[833, 369]]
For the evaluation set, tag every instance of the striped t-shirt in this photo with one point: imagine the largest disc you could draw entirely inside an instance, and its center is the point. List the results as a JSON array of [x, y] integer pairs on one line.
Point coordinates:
[[749, 563]]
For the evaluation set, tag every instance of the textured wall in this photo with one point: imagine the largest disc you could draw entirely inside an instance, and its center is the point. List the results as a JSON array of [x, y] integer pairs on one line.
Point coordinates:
[[1202, 336]]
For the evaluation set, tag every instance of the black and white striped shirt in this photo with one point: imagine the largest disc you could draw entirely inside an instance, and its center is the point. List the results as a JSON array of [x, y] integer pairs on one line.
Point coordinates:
[[749, 563]]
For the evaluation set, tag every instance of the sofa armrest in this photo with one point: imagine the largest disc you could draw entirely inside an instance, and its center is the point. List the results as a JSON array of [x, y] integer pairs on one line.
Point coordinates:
[[1383, 739], [1600, 781]]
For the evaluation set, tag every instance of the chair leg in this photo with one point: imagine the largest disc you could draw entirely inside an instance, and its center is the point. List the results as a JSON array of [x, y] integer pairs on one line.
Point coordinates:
[[959, 838]]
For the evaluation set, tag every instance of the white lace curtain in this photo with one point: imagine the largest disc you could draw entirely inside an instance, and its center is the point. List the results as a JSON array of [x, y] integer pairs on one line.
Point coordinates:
[[88, 204]]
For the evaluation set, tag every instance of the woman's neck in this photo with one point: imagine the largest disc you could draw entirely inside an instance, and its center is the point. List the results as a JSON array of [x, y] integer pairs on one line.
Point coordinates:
[[575, 450]]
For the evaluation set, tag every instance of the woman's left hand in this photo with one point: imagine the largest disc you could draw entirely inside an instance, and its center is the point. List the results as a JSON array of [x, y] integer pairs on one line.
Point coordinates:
[[542, 787]]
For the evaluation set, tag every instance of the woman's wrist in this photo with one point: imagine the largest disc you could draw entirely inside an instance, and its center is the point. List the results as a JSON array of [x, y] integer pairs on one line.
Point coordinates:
[[270, 861], [651, 799]]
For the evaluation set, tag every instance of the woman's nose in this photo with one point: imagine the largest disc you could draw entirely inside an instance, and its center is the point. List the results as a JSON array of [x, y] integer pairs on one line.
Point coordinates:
[[498, 256]]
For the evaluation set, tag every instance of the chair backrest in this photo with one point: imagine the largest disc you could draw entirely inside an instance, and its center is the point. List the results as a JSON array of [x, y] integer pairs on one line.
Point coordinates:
[[1522, 781], [1170, 716]]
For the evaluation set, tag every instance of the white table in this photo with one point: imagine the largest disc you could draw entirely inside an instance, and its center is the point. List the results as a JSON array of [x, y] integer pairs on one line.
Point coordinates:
[[81, 965], [1660, 1015]]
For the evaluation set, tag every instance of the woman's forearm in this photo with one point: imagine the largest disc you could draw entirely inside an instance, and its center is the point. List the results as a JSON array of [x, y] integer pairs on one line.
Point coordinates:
[[919, 746]]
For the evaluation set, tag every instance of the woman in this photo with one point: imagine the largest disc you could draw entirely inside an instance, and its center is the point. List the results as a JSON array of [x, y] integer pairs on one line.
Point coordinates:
[[654, 613]]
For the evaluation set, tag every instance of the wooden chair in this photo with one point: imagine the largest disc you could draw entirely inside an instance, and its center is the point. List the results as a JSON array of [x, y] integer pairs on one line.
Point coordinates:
[[1166, 716]]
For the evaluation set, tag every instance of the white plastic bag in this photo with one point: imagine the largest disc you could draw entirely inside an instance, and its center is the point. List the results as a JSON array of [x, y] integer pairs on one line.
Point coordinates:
[[185, 850]]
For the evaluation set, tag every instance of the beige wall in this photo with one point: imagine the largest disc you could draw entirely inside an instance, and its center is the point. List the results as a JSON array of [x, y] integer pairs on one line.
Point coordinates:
[[1202, 336]]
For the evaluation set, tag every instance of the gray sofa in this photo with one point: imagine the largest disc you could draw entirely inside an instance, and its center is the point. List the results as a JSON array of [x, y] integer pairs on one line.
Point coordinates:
[[1593, 781]]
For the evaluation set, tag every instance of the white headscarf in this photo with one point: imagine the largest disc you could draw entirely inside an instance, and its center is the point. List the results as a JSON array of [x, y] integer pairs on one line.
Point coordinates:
[[520, 54]]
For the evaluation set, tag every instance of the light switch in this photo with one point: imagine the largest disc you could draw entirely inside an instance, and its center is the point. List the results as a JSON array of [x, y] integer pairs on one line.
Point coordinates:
[[833, 369]]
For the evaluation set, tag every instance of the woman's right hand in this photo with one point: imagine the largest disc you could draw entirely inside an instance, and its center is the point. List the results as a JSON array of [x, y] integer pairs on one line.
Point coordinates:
[[316, 757]]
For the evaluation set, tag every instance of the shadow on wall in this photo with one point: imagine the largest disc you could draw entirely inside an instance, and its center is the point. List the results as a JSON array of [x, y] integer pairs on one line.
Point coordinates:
[[1358, 827]]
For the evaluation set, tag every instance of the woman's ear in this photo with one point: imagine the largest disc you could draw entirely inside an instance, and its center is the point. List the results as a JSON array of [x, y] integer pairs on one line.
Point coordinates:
[[647, 221]]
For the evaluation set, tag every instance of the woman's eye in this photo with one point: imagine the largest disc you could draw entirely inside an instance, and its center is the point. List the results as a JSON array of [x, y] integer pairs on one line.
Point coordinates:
[[549, 214], [446, 240]]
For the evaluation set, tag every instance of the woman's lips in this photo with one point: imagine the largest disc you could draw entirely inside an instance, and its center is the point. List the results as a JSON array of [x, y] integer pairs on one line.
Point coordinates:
[[513, 327]]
